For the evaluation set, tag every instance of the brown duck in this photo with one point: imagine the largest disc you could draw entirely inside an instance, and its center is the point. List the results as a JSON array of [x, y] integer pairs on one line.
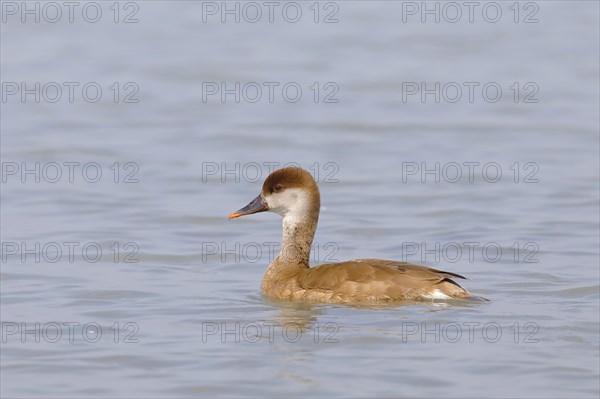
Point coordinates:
[[293, 194]]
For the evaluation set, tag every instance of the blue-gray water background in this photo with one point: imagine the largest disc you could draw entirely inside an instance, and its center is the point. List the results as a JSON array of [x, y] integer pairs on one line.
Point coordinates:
[[186, 159]]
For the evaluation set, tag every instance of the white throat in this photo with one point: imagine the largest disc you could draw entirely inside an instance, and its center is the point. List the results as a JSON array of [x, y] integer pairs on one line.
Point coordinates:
[[295, 206]]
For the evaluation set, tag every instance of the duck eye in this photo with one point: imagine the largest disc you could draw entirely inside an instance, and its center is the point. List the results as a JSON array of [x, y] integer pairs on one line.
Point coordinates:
[[277, 187]]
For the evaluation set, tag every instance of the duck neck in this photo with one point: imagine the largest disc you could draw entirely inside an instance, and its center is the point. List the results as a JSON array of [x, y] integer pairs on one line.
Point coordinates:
[[298, 234]]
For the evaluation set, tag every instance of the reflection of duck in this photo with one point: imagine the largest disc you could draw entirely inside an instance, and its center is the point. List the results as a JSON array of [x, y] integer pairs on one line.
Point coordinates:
[[293, 194], [300, 316]]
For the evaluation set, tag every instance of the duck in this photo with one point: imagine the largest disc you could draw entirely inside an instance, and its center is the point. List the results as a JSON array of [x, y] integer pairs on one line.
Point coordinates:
[[293, 194]]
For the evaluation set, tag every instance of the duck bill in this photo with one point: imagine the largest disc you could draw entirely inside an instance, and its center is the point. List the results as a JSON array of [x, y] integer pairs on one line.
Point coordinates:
[[255, 206]]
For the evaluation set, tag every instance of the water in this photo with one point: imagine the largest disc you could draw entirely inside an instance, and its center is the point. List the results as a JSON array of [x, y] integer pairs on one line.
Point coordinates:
[[170, 322]]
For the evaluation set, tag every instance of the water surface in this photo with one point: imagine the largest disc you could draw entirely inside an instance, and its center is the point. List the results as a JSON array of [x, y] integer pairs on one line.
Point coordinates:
[[177, 297]]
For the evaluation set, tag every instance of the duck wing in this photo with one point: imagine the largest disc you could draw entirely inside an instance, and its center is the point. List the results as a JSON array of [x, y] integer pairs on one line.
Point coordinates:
[[379, 278]]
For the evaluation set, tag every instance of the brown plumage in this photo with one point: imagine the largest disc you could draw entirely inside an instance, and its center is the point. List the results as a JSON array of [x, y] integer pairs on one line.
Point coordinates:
[[293, 193]]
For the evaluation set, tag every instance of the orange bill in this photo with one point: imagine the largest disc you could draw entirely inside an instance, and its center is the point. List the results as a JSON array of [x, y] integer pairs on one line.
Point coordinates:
[[255, 206]]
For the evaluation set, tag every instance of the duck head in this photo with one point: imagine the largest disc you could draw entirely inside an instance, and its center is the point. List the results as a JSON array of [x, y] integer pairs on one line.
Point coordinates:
[[290, 192]]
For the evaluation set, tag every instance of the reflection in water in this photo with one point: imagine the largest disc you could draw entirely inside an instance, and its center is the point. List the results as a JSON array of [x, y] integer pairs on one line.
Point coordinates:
[[296, 316]]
